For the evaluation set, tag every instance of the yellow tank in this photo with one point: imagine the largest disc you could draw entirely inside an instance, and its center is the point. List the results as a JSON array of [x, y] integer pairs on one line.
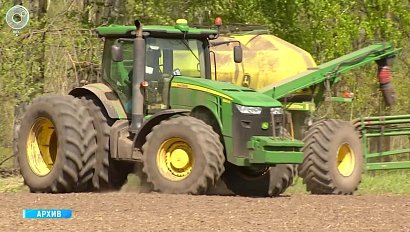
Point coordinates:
[[266, 59]]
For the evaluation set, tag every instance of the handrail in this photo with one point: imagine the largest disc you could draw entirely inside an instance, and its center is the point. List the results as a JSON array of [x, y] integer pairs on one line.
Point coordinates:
[[380, 126]]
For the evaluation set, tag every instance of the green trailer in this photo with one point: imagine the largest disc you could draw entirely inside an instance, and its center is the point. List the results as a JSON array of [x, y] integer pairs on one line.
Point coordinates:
[[334, 153]]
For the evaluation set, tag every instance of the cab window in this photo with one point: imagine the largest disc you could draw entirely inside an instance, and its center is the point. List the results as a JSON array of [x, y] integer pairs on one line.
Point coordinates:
[[164, 58]]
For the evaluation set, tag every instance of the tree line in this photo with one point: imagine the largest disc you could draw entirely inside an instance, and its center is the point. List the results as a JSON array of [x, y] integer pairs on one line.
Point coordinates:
[[59, 47]]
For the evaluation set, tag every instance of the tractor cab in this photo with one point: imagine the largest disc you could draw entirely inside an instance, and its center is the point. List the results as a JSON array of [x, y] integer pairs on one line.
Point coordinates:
[[169, 51]]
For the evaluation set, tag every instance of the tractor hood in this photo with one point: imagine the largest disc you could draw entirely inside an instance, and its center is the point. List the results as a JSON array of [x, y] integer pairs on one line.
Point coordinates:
[[236, 94]]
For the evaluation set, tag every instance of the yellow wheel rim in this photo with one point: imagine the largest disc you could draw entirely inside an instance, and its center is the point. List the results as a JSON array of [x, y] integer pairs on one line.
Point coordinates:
[[42, 147], [175, 159], [346, 160]]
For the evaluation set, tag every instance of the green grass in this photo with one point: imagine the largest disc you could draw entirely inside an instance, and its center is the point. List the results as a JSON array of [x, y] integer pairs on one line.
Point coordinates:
[[388, 182], [394, 182], [297, 188], [380, 183], [10, 184], [5, 153], [13, 184]]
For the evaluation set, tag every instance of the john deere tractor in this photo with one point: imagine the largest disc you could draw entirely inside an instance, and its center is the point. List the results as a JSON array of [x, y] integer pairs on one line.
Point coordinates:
[[158, 105]]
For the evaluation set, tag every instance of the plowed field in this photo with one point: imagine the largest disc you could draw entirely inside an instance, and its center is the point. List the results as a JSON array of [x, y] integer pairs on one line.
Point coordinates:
[[129, 211]]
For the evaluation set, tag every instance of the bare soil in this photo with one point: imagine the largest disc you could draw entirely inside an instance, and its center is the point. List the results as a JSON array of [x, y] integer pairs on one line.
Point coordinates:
[[131, 211]]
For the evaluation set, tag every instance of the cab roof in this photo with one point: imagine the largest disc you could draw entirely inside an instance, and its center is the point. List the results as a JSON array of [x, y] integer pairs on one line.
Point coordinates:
[[177, 31]]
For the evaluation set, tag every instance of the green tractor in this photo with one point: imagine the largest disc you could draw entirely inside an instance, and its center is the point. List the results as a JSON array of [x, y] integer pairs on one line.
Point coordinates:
[[158, 106]]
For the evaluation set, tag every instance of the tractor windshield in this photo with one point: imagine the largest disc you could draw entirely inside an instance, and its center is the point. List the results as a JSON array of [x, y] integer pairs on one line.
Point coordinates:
[[167, 55], [163, 56]]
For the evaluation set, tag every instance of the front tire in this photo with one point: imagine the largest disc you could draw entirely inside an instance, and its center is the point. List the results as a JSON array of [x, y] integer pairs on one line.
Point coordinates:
[[50, 143], [265, 182], [183, 155], [333, 162], [260, 182]]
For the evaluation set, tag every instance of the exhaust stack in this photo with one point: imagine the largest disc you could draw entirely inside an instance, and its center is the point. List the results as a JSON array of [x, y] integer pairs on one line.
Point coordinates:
[[138, 79]]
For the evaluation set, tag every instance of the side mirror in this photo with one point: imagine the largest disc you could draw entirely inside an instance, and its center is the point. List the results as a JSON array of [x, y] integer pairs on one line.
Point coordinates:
[[116, 53], [237, 54]]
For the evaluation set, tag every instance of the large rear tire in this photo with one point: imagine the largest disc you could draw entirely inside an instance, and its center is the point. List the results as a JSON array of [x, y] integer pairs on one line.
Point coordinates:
[[333, 162], [50, 143], [183, 155], [99, 172], [265, 182]]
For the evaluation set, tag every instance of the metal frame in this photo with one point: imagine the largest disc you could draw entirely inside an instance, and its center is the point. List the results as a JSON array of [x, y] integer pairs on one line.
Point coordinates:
[[330, 71], [372, 127]]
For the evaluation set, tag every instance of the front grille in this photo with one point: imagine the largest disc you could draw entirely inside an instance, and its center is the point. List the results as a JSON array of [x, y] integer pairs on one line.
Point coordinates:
[[245, 126], [277, 123]]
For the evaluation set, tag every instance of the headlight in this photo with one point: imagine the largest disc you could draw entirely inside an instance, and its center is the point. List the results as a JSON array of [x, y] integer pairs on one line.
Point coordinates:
[[276, 111], [249, 109]]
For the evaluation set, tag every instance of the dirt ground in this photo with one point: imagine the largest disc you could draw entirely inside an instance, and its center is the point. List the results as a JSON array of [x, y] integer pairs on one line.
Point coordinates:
[[128, 211]]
